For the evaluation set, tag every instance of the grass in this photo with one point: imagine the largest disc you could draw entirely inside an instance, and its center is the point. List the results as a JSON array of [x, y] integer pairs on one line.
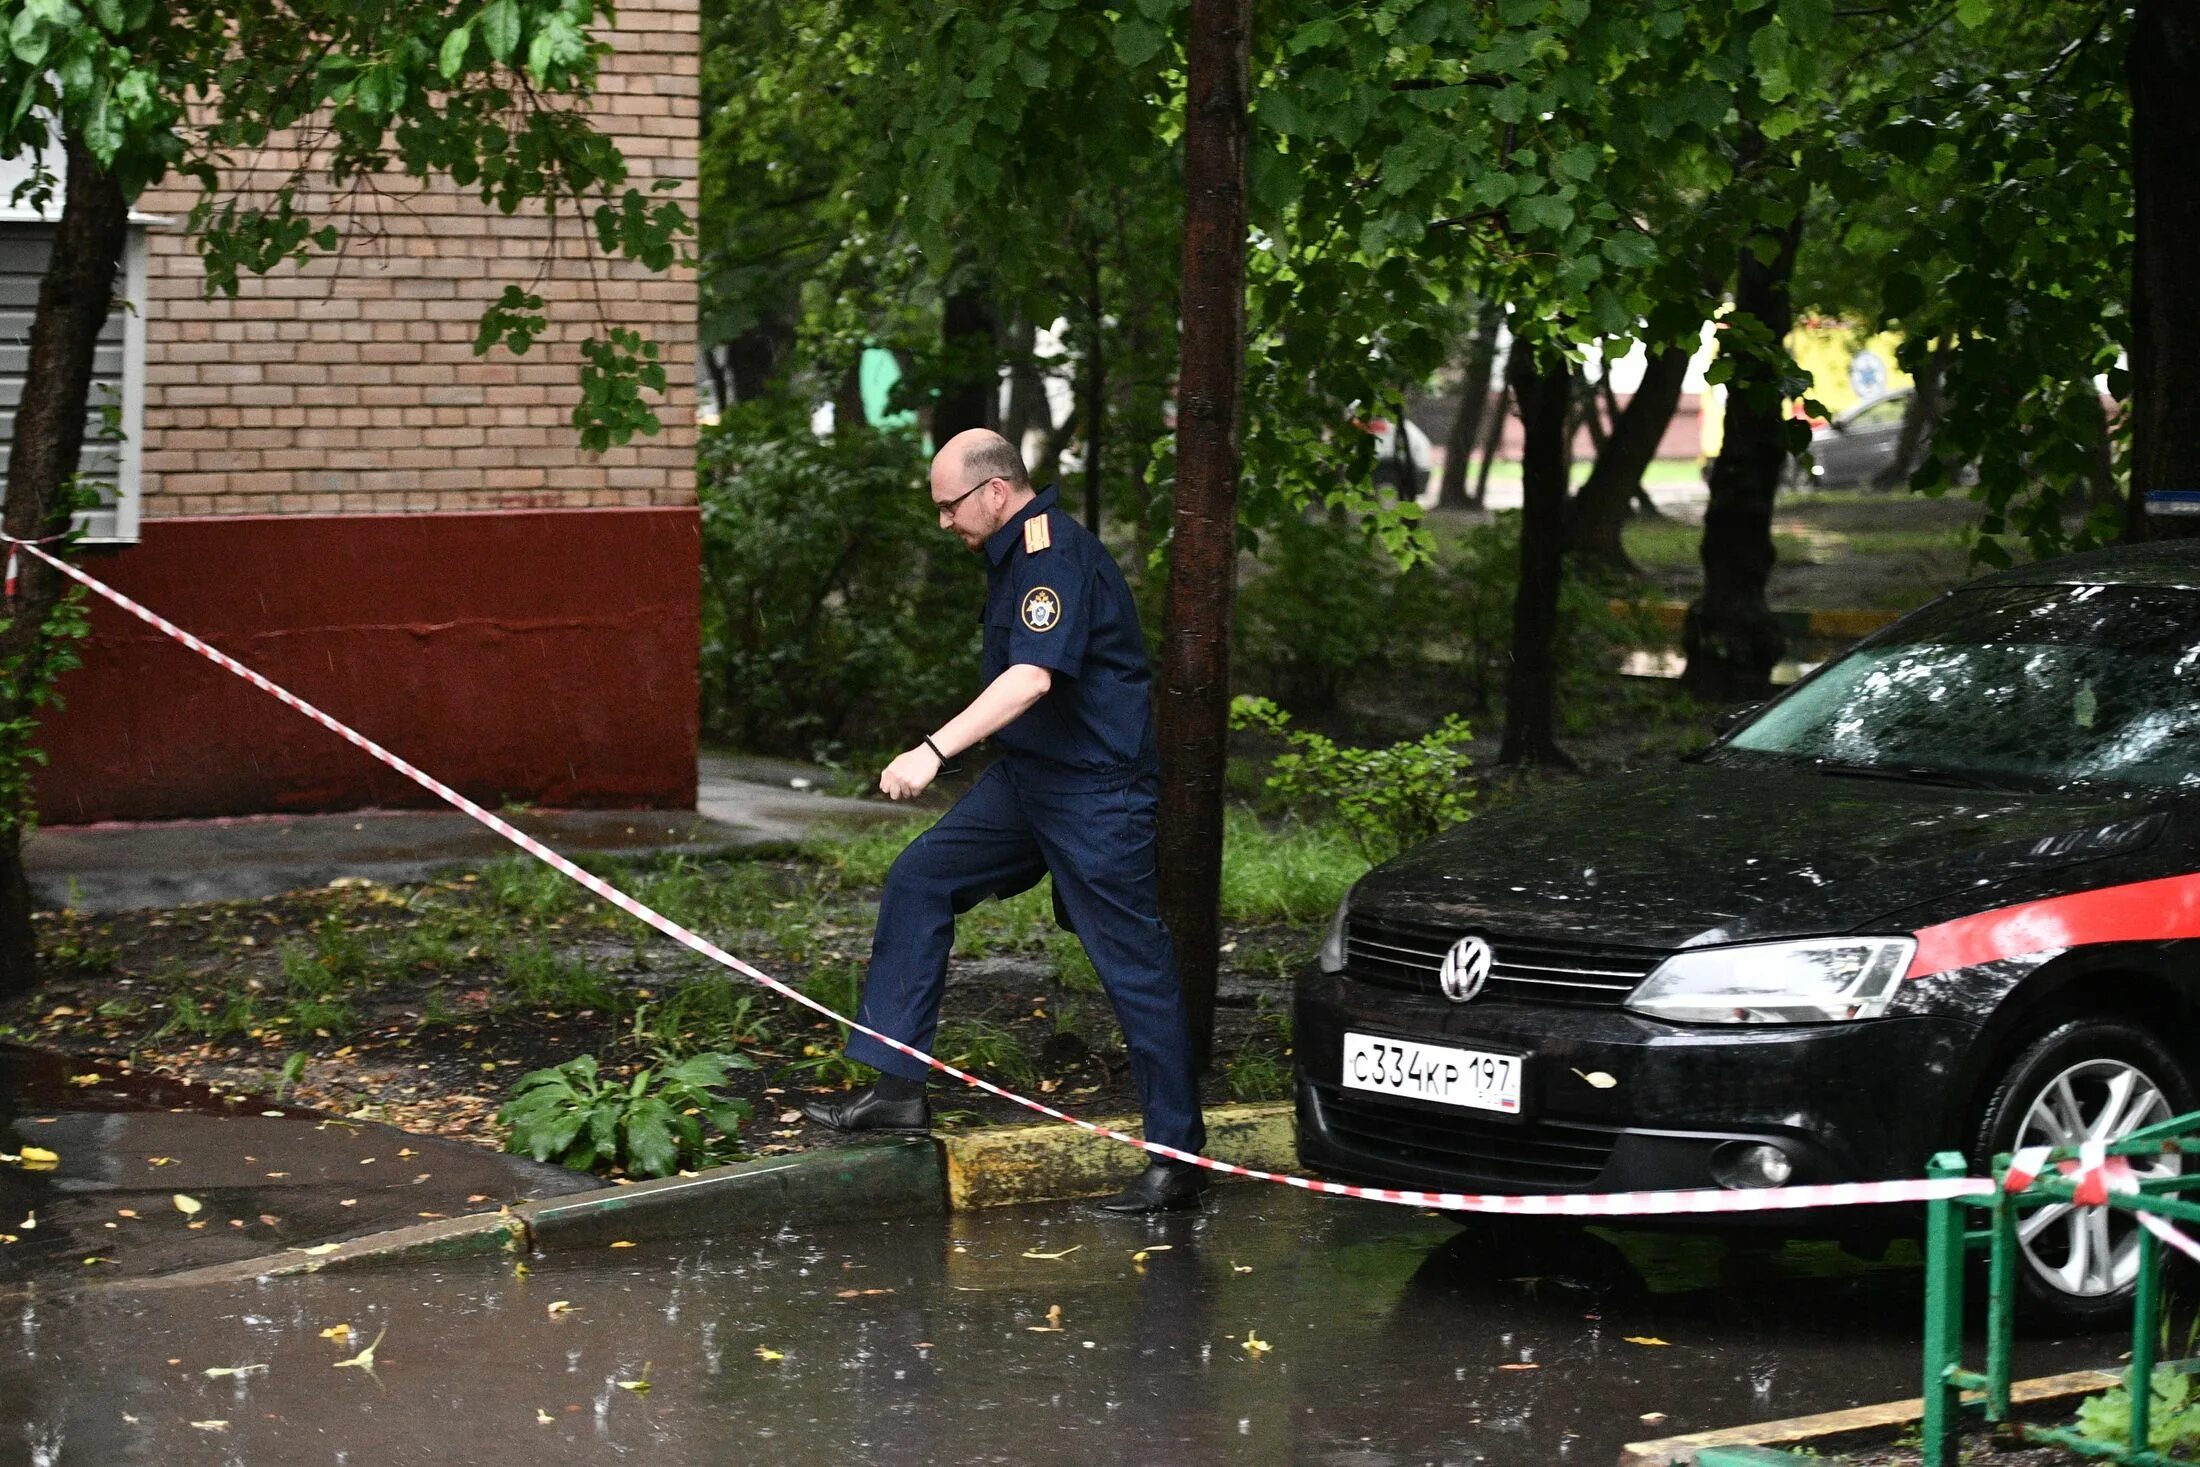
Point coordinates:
[[1678, 545], [1253, 1074], [538, 976], [986, 1049], [1293, 872], [705, 1014]]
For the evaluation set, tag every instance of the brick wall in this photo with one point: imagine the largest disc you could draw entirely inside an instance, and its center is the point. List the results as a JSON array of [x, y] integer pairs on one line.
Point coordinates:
[[351, 386]]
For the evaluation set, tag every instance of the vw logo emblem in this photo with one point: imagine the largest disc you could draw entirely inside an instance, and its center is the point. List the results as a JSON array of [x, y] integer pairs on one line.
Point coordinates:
[[1466, 968]]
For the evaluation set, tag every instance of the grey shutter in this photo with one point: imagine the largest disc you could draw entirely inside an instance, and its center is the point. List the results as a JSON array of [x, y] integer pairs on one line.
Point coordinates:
[[24, 249]]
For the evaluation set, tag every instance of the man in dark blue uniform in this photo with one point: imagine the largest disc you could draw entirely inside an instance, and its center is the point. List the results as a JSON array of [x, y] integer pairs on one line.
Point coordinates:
[[1068, 700]]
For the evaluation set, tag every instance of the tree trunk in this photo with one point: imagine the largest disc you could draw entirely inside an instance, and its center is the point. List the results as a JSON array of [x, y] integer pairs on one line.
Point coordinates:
[[74, 299], [2164, 68], [1601, 508], [1474, 402], [1920, 419], [1028, 408], [1543, 390], [1195, 653], [1491, 442], [970, 385], [1729, 634], [1096, 387]]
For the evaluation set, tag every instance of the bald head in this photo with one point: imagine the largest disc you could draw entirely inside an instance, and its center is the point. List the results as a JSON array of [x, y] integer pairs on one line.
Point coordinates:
[[978, 483], [981, 453]]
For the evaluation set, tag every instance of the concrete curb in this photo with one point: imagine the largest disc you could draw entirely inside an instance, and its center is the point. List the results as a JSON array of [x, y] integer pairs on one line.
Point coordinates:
[[861, 1182], [1770, 1442], [1004, 1166]]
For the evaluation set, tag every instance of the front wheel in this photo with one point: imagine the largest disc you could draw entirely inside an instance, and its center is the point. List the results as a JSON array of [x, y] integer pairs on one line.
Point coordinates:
[[2086, 1079]]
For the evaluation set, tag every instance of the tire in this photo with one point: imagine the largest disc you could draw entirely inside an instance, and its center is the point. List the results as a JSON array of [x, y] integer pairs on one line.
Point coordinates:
[[2082, 1077]]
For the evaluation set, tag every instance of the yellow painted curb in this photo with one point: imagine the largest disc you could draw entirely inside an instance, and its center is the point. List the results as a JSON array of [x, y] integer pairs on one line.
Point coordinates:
[[1001, 1166], [1835, 1428]]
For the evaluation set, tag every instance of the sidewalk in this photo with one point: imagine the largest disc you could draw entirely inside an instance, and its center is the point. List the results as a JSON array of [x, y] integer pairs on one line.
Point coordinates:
[[121, 867]]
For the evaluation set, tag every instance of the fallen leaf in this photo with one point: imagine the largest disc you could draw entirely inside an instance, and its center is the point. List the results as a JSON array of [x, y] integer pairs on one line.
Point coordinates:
[[1516, 1365], [477, 1197], [1652, 1418], [1237, 1267], [860, 1293], [86, 1079], [270, 1220], [638, 1387], [1597, 1079], [337, 1332], [406, 1151], [365, 1358], [210, 1425], [216, 1372], [561, 1306], [318, 1250], [1142, 1254], [622, 1243], [1052, 1257], [160, 1161], [766, 1352], [1053, 1326], [542, 1417], [188, 1206], [520, 1270], [1645, 1340], [125, 1212], [38, 1159], [1255, 1345], [29, 1222]]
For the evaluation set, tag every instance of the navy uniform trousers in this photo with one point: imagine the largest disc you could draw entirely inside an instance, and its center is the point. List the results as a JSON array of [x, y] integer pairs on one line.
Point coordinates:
[[998, 840]]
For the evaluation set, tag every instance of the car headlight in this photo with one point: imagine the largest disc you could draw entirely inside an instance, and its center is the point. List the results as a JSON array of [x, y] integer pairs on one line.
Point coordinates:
[[1822, 980], [1331, 959]]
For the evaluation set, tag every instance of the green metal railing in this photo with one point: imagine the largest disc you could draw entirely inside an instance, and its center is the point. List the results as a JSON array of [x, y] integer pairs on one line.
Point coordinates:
[[1955, 1396]]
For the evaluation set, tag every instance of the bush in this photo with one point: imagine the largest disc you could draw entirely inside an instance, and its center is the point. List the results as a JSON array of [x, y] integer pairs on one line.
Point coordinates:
[[834, 608], [1321, 611], [649, 1126], [1388, 798]]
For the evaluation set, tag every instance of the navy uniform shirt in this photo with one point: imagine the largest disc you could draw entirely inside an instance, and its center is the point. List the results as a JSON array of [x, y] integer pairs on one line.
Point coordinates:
[[1055, 598]]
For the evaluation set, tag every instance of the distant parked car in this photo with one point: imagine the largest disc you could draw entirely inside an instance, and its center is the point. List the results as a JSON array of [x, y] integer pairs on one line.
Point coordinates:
[[1857, 445], [1401, 462]]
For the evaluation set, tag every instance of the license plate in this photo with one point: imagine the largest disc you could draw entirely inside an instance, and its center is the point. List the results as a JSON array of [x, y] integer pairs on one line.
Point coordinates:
[[1474, 1079]]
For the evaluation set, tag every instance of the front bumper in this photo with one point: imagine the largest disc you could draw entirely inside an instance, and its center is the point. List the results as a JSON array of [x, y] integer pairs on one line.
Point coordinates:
[[1846, 1102]]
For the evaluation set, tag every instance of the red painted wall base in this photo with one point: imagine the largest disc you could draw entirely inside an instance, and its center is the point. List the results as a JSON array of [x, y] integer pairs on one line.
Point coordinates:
[[539, 656]]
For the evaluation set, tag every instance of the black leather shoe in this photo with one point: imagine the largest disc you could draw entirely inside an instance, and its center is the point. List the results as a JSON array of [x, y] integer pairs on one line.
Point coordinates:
[[1162, 1187], [865, 1111]]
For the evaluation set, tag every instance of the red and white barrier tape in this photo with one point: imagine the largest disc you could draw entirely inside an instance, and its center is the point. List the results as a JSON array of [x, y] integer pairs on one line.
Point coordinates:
[[1607, 1204]]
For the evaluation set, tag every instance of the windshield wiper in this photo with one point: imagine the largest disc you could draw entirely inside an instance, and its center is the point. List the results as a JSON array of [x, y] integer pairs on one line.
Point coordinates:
[[1913, 774]]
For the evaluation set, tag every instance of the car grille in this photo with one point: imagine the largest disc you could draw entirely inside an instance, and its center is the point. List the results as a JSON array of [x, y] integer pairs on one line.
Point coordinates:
[[1546, 1154], [1406, 955]]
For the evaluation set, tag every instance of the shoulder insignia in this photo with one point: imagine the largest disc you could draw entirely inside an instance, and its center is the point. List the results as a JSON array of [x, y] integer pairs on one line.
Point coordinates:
[[1037, 536], [1042, 609]]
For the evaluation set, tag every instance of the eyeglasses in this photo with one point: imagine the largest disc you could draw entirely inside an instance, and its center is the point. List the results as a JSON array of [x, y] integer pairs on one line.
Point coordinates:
[[947, 507]]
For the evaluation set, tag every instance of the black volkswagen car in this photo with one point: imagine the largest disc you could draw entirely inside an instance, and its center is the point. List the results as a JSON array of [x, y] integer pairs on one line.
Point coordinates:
[[1943, 894]]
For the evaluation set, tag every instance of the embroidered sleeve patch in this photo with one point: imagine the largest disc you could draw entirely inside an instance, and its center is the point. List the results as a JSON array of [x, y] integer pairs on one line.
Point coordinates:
[[1042, 609], [1037, 536]]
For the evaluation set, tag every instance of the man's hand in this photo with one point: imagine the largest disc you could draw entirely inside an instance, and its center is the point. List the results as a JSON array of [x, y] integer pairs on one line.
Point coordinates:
[[907, 776]]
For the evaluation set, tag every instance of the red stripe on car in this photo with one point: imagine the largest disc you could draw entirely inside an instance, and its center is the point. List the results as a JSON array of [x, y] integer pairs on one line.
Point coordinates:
[[2144, 911]]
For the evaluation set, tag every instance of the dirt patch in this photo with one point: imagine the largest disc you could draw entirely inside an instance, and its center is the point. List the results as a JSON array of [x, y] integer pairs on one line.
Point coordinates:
[[421, 1006]]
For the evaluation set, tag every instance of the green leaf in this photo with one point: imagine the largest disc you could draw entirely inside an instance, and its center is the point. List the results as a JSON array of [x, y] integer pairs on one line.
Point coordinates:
[[1809, 21], [453, 57], [650, 1149], [1138, 41], [500, 28], [1971, 14], [1768, 54]]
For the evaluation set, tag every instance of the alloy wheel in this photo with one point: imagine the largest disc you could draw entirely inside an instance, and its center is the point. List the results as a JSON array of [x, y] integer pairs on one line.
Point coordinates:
[[2089, 1251]]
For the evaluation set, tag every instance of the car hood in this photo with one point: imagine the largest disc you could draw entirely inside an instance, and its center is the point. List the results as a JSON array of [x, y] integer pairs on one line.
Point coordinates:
[[1706, 853]]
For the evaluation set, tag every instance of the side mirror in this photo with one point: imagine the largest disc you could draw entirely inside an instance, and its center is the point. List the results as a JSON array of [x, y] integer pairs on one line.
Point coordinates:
[[1727, 720]]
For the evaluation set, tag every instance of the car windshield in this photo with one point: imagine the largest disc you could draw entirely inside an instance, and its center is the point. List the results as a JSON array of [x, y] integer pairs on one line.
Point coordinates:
[[2025, 685]]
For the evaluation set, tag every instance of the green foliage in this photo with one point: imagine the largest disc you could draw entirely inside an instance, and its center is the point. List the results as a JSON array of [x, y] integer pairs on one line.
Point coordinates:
[[1322, 612], [836, 613], [1388, 799], [1072, 966], [987, 1050], [1296, 871], [859, 859], [648, 1126], [1254, 1074], [525, 886], [2173, 1423], [538, 976], [838, 986], [707, 1013]]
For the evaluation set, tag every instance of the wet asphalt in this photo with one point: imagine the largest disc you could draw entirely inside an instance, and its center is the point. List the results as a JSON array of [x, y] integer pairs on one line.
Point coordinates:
[[1275, 1327]]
